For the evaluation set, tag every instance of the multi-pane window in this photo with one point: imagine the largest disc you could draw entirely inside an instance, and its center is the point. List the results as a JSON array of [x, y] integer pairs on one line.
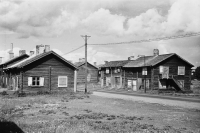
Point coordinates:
[[35, 81], [181, 70], [144, 71], [62, 81], [107, 70]]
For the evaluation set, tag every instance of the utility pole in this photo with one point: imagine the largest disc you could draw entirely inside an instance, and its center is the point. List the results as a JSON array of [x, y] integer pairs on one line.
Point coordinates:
[[86, 38]]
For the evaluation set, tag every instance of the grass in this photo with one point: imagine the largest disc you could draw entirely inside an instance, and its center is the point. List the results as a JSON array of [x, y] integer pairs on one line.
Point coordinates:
[[67, 112]]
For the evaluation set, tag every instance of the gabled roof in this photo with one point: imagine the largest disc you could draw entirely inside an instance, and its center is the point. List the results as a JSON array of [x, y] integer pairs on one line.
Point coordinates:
[[78, 64], [32, 59], [115, 63], [152, 60], [15, 59]]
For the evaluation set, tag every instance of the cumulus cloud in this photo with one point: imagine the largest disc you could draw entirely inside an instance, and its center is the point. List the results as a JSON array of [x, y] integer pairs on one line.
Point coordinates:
[[51, 18]]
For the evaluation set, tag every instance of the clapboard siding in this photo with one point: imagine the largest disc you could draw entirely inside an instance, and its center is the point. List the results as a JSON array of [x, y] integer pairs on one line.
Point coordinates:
[[41, 68]]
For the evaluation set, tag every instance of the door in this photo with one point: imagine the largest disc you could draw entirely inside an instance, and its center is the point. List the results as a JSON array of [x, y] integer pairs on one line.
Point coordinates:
[[117, 82], [134, 85]]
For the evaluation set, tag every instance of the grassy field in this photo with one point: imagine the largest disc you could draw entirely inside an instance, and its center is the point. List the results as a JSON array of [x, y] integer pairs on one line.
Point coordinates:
[[81, 113]]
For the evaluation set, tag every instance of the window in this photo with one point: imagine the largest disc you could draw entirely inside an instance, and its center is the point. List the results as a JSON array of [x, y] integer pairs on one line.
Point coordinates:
[[35, 81], [161, 69], [62, 81], [107, 70], [164, 70], [118, 69], [115, 70], [181, 70], [144, 71]]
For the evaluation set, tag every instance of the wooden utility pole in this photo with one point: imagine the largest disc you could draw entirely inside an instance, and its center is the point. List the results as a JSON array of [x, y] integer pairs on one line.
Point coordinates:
[[86, 38]]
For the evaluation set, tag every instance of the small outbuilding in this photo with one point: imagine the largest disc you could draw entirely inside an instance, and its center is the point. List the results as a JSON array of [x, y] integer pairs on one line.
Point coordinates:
[[92, 72]]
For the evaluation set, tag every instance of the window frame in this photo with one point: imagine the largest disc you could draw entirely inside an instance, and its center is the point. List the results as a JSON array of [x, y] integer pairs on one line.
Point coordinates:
[[37, 80], [107, 70], [66, 81], [179, 70], [144, 71], [31, 81]]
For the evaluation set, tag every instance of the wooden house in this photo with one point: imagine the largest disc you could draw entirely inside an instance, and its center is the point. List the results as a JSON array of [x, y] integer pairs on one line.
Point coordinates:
[[154, 72], [92, 72], [44, 72], [4, 77], [112, 74]]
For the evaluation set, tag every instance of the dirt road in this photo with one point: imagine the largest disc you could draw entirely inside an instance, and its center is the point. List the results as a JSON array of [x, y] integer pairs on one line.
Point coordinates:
[[170, 102]]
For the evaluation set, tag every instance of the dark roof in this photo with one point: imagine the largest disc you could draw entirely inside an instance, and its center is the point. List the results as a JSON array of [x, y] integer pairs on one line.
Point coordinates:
[[35, 58], [115, 63], [151, 60], [78, 64], [15, 59]]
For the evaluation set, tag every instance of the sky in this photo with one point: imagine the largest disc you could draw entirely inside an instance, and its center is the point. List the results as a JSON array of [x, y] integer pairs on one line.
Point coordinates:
[[60, 24]]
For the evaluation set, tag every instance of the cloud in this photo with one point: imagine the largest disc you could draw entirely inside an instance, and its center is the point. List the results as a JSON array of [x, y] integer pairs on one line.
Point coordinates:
[[93, 56], [52, 18], [102, 21]]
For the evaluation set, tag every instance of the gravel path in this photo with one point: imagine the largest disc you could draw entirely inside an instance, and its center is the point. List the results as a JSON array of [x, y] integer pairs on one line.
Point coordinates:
[[184, 104]]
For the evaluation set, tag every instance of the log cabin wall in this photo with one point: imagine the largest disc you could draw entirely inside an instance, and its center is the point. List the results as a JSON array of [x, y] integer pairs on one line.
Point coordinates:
[[93, 71], [173, 63], [40, 68], [135, 73]]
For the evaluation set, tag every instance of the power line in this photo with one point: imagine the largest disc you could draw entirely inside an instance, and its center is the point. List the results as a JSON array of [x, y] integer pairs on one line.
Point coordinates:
[[151, 40], [73, 50]]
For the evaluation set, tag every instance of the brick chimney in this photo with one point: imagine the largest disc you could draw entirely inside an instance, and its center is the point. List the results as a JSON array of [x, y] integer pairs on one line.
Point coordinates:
[[11, 54], [21, 52], [81, 59], [47, 48], [95, 63], [39, 49], [155, 52], [106, 62], [31, 53]]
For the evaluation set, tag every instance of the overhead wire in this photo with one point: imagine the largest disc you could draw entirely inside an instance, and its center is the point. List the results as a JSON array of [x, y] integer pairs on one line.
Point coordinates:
[[151, 40], [140, 41], [73, 50]]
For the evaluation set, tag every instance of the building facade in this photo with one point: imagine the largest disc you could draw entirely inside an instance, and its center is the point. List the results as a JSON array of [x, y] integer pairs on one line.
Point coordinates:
[[44, 72], [150, 73]]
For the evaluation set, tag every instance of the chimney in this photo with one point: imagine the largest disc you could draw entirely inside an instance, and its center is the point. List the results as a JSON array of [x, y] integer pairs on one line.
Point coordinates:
[[31, 53], [47, 48], [131, 58], [95, 63], [21, 52], [155, 52], [11, 54], [106, 62], [81, 59], [39, 49], [1, 60]]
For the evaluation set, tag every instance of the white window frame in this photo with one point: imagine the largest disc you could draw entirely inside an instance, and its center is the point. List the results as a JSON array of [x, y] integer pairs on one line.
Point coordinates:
[[59, 77], [107, 71], [181, 67], [144, 71], [118, 70], [30, 81]]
